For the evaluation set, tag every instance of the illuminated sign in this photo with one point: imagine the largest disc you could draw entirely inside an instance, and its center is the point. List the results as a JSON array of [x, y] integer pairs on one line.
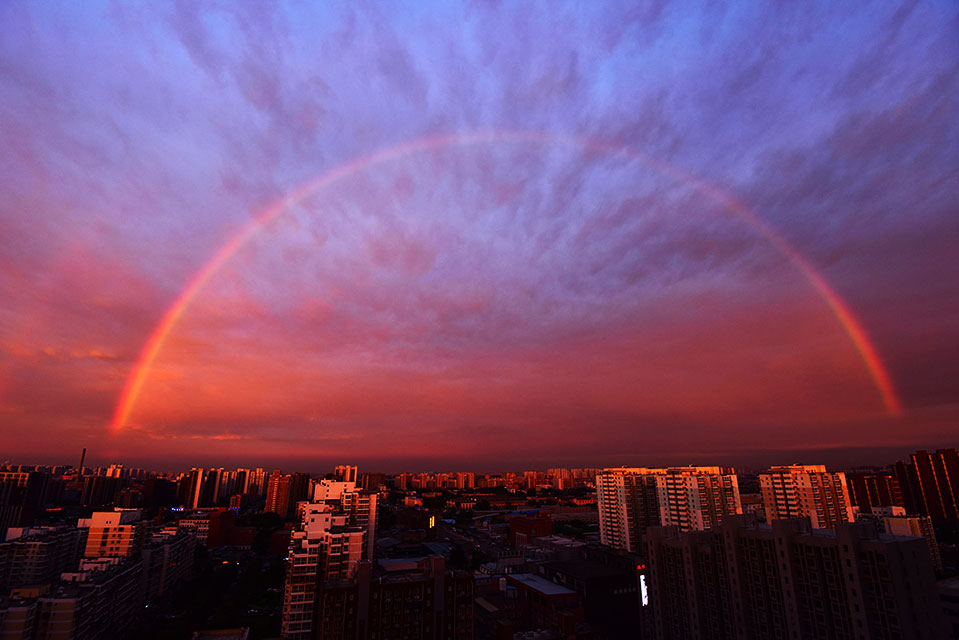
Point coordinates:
[[643, 593], [432, 521]]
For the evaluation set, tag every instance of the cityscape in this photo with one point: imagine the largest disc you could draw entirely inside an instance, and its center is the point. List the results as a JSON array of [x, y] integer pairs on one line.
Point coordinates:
[[795, 550], [479, 320]]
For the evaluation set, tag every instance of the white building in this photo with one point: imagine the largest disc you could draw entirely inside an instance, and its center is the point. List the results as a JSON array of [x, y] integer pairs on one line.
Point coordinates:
[[335, 533]]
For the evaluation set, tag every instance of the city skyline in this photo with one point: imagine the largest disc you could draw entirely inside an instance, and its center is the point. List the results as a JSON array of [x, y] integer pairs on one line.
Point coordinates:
[[317, 234]]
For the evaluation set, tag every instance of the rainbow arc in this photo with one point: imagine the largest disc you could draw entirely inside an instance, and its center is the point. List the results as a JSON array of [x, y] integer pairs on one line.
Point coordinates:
[[843, 314]]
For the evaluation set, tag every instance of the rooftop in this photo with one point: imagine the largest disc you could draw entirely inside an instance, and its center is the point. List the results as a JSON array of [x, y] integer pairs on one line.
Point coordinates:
[[542, 585]]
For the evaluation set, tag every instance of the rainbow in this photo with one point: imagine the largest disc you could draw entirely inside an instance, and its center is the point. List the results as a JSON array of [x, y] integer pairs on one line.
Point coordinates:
[[842, 312]]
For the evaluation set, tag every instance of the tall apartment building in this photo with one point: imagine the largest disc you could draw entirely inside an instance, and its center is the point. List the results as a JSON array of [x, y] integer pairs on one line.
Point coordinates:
[[345, 473], [22, 494], [335, 534], [806, 491], [465, 480], [95, 601], [167, 560], [631, 499], [789, 580], [99, 491], [115, 534], [695, 498], [40, 555], [930, 484], [194, 489], [278, 494], [628, 505], [869, 491], [259, 480]]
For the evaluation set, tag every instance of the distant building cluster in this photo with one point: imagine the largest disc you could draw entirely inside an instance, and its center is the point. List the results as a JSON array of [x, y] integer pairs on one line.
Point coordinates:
[[665, 553]]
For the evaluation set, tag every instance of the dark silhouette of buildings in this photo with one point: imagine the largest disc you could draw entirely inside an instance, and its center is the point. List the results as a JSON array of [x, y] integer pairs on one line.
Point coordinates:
[[930, 484], [788, 580]]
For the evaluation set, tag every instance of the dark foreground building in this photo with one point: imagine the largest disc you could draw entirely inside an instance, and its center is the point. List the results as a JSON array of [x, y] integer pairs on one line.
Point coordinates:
[[929, 481], [746, 580], [426, 601]]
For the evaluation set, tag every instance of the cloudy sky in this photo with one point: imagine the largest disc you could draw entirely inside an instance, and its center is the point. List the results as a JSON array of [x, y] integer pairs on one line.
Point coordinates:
[[477, 235]]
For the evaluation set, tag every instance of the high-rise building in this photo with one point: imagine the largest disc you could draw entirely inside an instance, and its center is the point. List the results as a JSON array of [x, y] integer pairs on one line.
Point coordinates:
[[242, 483], [465, 480], [868, 491], [628, 505], [259, 480], [38, 556], [345, 473], [695, 498], [22, 495], [195, 488], [278, 494], [213, 485], [299, 491], [167, 561], [113, 534], [372, 481], [335, 533], [789, 580], [99, 491], [930, 484], [806, 491], [632, 499]]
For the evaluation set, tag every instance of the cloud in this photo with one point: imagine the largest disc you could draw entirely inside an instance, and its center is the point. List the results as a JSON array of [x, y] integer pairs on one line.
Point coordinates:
[[475, 295]]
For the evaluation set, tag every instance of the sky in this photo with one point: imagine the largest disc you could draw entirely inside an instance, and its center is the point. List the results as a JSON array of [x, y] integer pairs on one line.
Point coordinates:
[[478, 235]]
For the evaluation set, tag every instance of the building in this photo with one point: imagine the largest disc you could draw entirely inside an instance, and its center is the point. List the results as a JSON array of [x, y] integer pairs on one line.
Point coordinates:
[[790, 580], [99, 491], [949, 597], [465, 480], [259, 480], [115, 534], [869, 491], [40, 555], [526, 527], [631, 500], [94, 602], [930, 484], [695, 498], [194, 484], [335, 533], [919, 526], [18, 617], [196, 525], [628, 504], [278, 494], [806, 491], [166, 561], [345, 473], [421, 601], [22, 495], [609, 591], [373, 481]]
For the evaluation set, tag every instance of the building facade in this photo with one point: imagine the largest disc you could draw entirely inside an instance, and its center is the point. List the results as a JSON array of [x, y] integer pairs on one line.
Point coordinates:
[[930, 484], [806, 491], [790, 580], [630, 500]]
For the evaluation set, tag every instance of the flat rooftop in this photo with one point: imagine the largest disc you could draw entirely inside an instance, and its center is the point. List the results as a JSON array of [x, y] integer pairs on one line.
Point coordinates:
[[542, 585]]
